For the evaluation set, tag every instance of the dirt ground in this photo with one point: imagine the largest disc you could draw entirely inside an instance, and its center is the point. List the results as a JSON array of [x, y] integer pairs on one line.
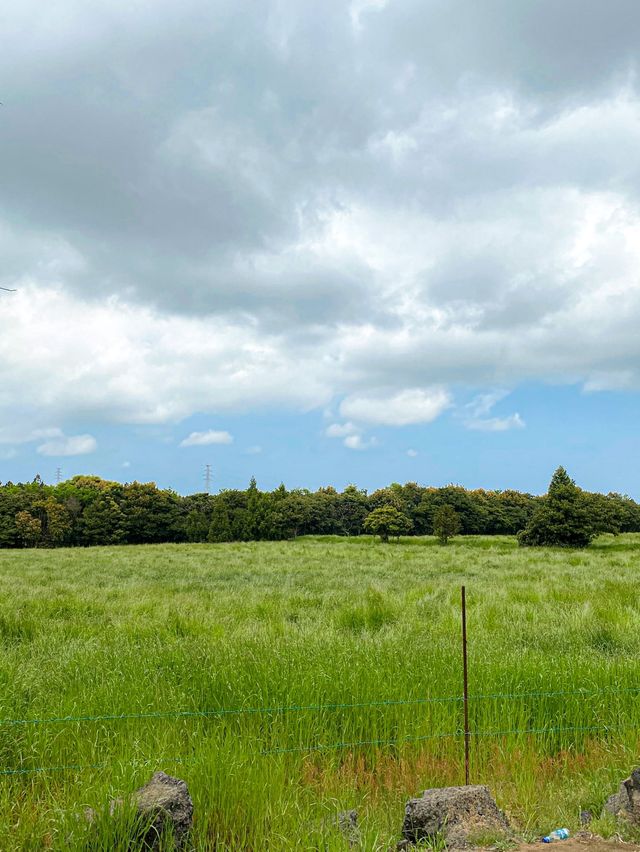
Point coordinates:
[[583, 842]]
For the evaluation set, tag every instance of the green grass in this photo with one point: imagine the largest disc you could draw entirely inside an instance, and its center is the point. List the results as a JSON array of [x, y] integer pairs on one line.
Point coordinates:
[[325, 621]]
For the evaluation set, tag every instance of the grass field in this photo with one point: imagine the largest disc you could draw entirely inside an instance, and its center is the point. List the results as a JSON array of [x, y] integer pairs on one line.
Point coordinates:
[[309, 624]]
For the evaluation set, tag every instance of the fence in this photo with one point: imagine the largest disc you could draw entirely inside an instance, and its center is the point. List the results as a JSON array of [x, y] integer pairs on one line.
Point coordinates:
[[461, 733], [464, 731]]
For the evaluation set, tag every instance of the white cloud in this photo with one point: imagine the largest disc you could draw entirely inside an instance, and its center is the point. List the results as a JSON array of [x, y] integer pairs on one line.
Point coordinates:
[[357, 442], [352, 435], [340, 430], [497, 424], [255, 450], [126, 464], [360, 7], [120, 362], [50, 432], [471, 220], [202, 439], [412, 453], [482, 404], [72, 445], [599, 380], [402, 408]]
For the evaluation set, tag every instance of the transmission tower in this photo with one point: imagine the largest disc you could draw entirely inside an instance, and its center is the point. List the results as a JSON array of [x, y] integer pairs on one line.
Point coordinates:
[[207, 478], [58, 475]]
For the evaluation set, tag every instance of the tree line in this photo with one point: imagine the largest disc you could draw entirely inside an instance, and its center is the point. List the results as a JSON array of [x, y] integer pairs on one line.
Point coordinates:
[[87, 510]]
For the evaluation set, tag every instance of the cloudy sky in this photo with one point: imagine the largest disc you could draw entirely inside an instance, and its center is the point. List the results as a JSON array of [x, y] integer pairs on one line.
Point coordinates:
[[356, 240]]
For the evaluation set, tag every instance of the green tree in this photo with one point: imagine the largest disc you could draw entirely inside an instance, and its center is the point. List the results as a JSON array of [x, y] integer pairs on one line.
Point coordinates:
[[288, 516], [254, 518], [352, 509], [606, 514], [11, 502], [470, 506], [197, 526], [446, 523], [55, 521], [220, 526], [103, 522], [152, 515], [387, 521], [240, 528], [562, 518], [29, 529]]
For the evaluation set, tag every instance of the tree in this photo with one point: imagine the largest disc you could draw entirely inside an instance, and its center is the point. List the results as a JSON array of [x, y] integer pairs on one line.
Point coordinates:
[[220, 527], [607, 514], [352, 509], [55, 521], [387, 521], [196, 526], [470, 507], [562, 518], [446, 523], [29, 529], [151, 515], [257, 510], [240, 529], [11, 502], [287, 517], [103, 522]]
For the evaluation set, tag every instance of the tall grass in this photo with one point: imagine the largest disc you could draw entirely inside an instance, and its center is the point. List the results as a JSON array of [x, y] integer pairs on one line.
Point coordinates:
[[303, 629]]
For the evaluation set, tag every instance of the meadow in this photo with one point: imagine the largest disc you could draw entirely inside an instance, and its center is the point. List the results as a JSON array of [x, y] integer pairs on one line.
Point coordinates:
[[288, 681]]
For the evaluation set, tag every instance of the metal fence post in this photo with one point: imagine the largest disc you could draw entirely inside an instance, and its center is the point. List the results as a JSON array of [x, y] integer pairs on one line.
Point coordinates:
[[465, 687]]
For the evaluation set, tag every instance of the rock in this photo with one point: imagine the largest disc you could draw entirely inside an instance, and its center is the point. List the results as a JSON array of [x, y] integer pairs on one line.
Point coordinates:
[[585, 817], [164, 806], [625, 804], [348, 824], [461, 816]]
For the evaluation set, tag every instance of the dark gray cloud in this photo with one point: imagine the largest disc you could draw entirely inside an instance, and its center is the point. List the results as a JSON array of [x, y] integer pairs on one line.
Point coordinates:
[[160, 146], [356, 190], [546, 51]]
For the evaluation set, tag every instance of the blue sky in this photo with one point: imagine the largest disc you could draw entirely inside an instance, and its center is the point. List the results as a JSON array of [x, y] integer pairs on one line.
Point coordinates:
[[362, 240], [593, 435]]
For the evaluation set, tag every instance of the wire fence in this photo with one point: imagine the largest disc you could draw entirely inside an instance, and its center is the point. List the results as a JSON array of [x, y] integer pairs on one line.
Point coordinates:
[[296, 708], [465, 732], [284, 709]]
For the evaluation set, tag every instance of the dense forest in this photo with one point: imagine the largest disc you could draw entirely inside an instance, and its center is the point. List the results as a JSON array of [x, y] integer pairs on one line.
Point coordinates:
[[87, 510]]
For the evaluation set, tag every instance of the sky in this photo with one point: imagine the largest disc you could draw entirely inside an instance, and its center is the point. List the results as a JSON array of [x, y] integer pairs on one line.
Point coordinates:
[[320, 243]]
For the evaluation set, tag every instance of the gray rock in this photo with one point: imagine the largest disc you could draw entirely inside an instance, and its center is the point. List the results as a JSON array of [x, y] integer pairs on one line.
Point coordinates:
[[585, 817], [462, 816], [625, 804], [348, 824], [164, 807]]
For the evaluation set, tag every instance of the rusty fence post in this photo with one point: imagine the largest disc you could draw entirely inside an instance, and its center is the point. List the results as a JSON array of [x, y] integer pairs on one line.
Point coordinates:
[[465, 686]]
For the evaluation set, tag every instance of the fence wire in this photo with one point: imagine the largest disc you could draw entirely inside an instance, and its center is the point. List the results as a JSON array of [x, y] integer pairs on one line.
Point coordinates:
[[320, 747], [297, 708]]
